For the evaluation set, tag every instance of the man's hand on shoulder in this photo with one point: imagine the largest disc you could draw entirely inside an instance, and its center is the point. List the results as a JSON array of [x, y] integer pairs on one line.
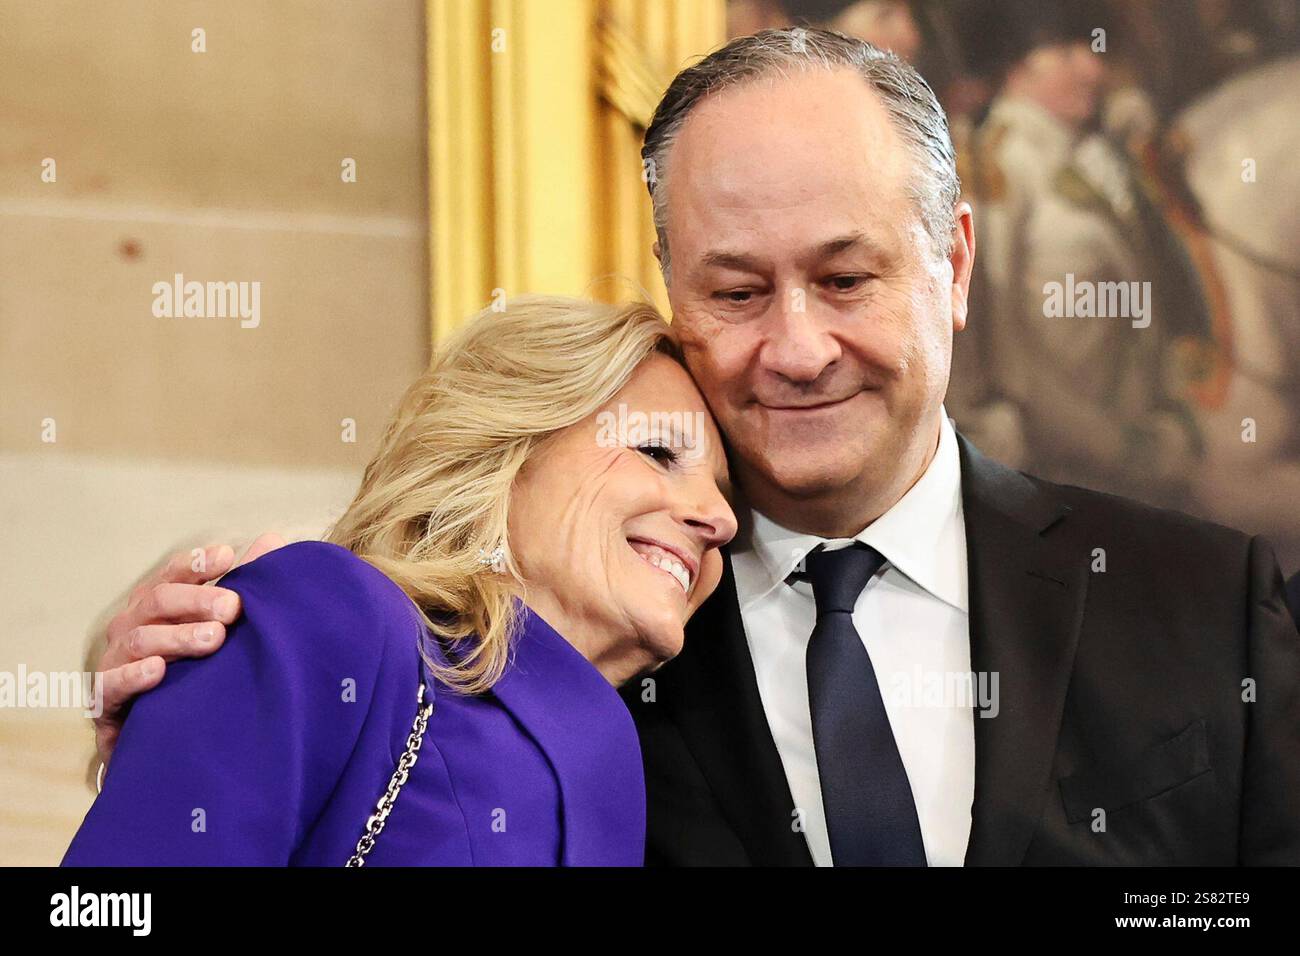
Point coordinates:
[[175, 613]]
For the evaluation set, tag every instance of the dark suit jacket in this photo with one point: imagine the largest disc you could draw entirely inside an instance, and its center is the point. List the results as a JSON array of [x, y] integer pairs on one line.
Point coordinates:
[[1120, 690]]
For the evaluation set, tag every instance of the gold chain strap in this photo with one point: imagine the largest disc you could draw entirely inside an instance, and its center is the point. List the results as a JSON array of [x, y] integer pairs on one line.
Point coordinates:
[[375, 825]]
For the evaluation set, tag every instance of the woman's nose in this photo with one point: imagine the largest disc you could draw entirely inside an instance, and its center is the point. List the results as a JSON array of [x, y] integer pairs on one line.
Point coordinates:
[[708, 515]]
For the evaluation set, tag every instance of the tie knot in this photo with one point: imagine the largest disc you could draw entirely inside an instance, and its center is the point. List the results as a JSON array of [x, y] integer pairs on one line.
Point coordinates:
[[838, 577]]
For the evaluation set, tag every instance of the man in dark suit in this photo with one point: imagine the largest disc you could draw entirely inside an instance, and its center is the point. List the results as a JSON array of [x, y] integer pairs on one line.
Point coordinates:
[[916, 656], [1160, 692], [1145, 677]]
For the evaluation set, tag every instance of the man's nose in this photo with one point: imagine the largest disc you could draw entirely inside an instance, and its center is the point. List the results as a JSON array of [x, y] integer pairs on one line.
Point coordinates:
[[798, 345]]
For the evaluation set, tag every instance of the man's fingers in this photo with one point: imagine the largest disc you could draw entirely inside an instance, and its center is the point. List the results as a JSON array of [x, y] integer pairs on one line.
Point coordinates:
[[171, 641], [262, 545], [169, 603], [189, 567], [185, 603], [122, 684]]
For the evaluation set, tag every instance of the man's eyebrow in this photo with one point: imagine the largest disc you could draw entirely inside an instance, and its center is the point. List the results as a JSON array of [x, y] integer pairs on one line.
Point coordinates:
[[833, 247], [722, 259], [741, 262]]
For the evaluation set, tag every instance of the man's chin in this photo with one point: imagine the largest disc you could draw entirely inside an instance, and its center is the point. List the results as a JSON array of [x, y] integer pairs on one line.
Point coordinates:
[[805, 477]]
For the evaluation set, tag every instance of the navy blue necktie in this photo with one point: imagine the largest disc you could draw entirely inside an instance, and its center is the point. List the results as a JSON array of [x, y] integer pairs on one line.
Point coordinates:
[[870, 813]]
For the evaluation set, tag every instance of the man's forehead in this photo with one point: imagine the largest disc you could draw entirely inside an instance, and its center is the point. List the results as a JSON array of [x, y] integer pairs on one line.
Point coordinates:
[[743, 151], [805, 224], [831, 105]]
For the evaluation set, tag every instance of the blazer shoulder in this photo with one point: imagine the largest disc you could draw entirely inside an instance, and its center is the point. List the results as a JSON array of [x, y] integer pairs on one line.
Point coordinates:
[[987, 483], [1149, 534], [1101, 506], [338, 605], [319, 671]]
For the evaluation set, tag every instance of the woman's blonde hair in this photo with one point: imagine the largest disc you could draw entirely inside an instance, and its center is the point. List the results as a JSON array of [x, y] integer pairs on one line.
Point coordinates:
[[435, 498]]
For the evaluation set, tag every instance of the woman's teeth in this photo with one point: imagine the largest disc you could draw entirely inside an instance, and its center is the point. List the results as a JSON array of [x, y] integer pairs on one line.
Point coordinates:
[[664, 562]]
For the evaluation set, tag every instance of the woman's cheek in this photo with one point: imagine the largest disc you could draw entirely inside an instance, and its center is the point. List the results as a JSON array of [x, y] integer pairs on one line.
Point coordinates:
[[710, 575]]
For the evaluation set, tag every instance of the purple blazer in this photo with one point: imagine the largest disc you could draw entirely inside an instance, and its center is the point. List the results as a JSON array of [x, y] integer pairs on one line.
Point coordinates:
[[274, 750]]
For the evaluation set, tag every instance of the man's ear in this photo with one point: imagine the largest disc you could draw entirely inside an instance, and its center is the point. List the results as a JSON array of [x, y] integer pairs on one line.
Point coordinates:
[[659, 253], [962, 261]]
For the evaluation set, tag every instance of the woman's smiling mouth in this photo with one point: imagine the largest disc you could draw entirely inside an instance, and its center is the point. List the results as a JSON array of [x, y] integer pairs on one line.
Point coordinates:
[[675, 565]]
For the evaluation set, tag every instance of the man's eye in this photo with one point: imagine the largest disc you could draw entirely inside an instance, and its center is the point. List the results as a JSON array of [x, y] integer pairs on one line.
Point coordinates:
[[734, 296], [660, 453], [847, 282]]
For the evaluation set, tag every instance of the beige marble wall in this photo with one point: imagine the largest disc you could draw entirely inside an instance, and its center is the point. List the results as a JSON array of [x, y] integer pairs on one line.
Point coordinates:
[[222, 166]]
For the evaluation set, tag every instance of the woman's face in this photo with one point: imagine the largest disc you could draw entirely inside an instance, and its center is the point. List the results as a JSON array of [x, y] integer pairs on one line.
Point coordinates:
[[615, 523]]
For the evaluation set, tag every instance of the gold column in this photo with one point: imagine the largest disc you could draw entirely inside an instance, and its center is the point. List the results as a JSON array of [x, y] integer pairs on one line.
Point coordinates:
[[536, 110]]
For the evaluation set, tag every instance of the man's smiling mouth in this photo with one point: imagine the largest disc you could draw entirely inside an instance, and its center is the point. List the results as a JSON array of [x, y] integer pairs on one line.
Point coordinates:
[[810, 406]]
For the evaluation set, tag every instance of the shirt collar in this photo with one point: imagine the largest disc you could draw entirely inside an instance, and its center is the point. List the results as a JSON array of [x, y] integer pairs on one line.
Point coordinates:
[[923, 536]]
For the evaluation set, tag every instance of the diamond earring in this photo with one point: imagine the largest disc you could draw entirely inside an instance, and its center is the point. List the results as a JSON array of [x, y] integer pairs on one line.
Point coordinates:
[[496, 559]]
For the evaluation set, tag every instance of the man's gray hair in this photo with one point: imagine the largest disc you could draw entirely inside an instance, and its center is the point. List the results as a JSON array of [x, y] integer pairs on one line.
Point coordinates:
[[911, 104]]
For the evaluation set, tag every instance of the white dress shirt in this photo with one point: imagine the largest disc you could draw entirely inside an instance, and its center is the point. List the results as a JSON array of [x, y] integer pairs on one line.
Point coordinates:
[[913, 619]]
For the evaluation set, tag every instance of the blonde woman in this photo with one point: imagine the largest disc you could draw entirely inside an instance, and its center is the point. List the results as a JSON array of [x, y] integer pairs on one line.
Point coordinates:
[[541, 519]]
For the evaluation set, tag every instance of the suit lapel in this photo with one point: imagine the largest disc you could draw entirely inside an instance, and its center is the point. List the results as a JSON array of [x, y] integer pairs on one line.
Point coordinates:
[[712, 694], [1026, 604]]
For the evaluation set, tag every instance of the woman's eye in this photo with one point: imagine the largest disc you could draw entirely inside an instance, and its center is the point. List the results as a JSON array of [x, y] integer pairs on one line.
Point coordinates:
[[660, 453]]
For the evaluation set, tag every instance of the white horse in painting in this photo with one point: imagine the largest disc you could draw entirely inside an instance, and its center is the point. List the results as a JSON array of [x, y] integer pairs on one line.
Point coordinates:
[[1242, 166]]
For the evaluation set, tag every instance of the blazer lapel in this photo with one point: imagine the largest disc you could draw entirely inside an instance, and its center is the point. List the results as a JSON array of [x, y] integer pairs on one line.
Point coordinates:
[[589, 738], [1027, 594], [712, 694]]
